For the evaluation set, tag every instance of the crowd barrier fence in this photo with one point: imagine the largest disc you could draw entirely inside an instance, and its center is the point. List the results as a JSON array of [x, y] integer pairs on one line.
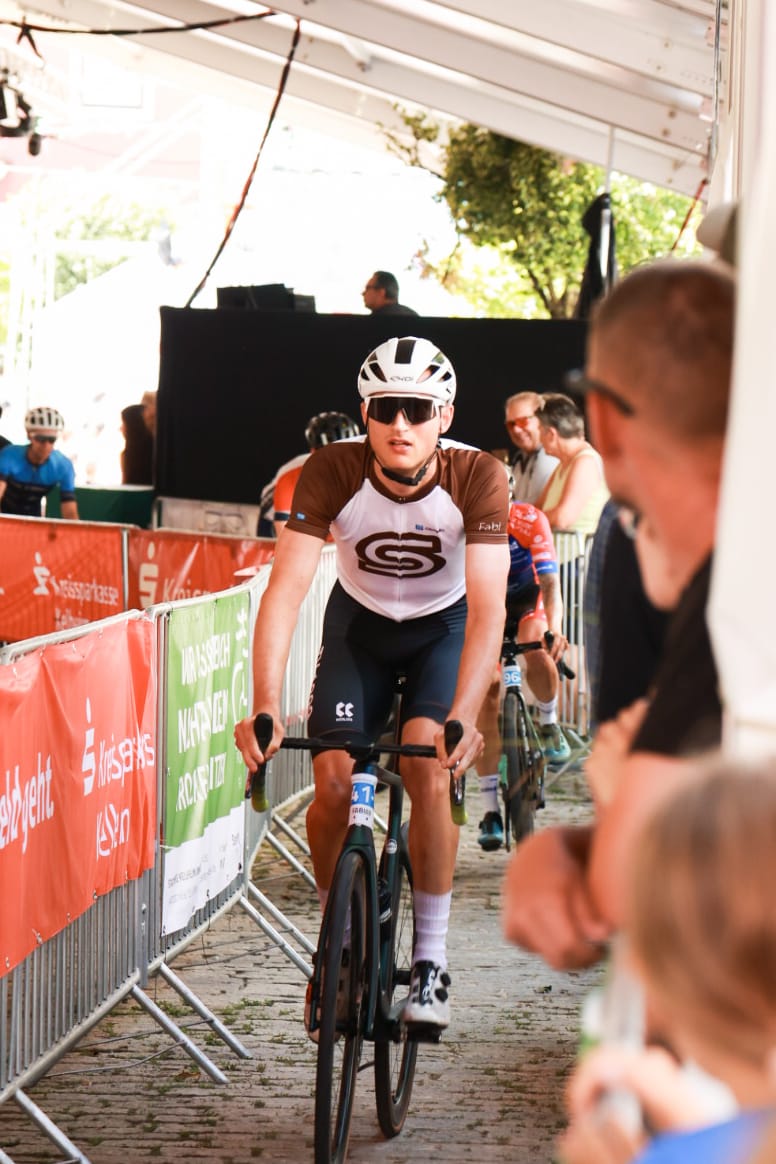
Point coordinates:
[[131, 717]]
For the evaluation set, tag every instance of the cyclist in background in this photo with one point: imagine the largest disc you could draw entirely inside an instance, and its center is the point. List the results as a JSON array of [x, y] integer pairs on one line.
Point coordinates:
[[29, 472], [534, 606], [419, 526], [275, 504]]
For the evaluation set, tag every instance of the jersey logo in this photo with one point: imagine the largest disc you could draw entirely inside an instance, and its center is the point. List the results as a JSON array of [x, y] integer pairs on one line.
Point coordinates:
[[408, 555]]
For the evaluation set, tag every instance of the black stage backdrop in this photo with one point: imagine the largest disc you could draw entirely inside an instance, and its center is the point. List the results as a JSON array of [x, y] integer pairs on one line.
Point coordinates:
[[237, 387]]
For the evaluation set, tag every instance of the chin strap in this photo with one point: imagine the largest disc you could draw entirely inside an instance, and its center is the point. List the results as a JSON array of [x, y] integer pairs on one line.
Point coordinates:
[[400, 479]]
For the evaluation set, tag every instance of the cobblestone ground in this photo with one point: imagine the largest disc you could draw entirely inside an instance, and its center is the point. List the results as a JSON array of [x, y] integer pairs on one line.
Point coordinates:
[[491, 1090]]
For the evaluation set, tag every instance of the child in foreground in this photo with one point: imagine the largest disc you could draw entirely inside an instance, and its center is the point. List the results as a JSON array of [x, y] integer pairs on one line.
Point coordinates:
[[701, 932]]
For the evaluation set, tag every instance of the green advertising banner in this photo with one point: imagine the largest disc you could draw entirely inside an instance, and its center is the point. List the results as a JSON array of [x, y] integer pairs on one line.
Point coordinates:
[[208, 662]]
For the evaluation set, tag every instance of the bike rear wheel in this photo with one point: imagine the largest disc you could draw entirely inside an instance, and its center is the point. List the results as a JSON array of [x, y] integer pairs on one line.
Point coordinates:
[[341, 1036], [395, 1061], [521, 793]]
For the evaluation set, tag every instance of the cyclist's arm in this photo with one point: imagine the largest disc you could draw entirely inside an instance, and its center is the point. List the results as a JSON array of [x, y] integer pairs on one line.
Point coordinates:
[[3, 487], [293, 569], [553, 602], [69, 510], [583, 479], [487, 566]]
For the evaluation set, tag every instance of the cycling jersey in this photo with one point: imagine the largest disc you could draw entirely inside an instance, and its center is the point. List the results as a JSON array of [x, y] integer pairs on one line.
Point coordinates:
[[402, 557], [531, 548], [28, 484]]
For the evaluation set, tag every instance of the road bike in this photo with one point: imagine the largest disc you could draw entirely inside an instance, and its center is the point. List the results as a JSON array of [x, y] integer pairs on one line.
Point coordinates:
[[522, 766], [362, 966]]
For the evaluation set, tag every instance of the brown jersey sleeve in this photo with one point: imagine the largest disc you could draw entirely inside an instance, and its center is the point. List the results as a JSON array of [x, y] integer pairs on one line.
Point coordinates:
[[328, 480], [479, 487]]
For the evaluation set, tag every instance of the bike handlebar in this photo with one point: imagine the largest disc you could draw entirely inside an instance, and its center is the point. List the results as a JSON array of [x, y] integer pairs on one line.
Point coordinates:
[[263, 729]]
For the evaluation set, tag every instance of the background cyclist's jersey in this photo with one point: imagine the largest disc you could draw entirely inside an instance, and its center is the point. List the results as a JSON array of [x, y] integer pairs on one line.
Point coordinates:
[[402, 557], [28, 484], [531, 548]]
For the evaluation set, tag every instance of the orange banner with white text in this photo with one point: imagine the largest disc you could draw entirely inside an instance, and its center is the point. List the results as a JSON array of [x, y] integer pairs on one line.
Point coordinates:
[[57, 575], [168, 565], [77, 778]]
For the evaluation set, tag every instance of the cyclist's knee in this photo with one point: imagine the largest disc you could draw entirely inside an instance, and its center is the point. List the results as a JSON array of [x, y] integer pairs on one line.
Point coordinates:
[[332, 782]]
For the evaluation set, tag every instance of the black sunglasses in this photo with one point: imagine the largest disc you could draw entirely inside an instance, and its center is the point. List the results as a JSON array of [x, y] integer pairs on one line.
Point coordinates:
[[43, 440], [577, 381], [416, 409]]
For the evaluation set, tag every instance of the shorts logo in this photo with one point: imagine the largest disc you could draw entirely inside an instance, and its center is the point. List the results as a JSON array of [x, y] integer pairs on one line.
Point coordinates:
[[408, 555], [344, 712]]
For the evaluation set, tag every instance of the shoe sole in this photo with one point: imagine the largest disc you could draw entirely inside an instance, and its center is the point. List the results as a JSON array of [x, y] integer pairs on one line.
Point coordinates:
[[490, 844]]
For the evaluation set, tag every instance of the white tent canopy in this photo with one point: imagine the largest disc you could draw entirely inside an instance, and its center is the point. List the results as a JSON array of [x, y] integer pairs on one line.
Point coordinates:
[[634, 84]]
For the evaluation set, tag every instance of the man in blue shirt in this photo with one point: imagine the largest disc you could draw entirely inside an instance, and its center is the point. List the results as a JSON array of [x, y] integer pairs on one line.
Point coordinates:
[[29, 472]]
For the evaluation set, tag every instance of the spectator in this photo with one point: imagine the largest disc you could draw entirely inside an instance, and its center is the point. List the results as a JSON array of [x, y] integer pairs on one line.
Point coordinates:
[[29, 472], [576, 492], [148, 402], [381, 295], [659, 363], [624, 629], [704, 948], [276, 496], [530, 465], [137, 456]]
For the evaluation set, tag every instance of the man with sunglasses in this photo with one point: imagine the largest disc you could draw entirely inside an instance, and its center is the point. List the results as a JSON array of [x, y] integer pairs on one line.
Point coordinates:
[[29, 472], [530, 464], [659, 362], [420, 528]]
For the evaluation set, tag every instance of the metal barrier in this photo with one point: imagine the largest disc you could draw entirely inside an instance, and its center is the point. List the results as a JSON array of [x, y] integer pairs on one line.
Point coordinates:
[[55, 994]]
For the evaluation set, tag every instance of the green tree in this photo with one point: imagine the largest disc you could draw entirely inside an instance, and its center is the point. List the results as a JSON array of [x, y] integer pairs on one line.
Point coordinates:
[[521, 208]]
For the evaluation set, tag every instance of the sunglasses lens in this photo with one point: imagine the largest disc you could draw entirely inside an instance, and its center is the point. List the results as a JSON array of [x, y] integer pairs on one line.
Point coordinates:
[[415, 409]]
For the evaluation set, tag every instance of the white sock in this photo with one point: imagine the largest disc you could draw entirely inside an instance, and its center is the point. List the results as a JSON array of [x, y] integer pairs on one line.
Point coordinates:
[[432, 914], [489, 792], [548, 712]]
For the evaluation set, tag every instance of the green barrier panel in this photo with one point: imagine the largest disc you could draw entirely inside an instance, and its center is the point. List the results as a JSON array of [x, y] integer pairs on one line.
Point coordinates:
[[208, 662]]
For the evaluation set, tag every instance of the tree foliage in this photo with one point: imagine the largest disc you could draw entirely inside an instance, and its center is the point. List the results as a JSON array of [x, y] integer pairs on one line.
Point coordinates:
[[525, 206]]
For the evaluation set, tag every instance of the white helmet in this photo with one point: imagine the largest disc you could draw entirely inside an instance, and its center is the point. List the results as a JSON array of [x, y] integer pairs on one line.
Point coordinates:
[[45, 421], [408, 367]]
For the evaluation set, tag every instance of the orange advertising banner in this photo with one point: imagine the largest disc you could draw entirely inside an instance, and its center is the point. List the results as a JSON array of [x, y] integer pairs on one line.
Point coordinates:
[[78, 779], [167, 565], [57, 574]]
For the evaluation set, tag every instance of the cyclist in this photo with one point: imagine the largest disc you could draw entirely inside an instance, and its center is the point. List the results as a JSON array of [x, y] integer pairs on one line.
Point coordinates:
[[275, 505], [29, 472], [420, 531], [534, 606]]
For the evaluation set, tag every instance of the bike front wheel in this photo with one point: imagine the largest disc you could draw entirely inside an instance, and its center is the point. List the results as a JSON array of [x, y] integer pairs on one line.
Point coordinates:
[[343, 1008], [520, 792], [395, 1060]]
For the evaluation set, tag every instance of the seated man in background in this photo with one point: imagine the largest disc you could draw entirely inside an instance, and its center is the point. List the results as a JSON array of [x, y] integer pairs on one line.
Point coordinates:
[[381, 295], [29, 472]]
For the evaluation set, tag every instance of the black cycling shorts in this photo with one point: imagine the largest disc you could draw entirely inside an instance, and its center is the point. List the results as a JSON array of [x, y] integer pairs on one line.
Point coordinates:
[[363, 653]]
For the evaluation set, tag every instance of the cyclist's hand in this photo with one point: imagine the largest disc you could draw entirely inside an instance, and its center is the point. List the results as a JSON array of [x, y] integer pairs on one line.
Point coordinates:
[[247, 744], [555, 644], [604, 765], [546, 906], [466, 750]]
